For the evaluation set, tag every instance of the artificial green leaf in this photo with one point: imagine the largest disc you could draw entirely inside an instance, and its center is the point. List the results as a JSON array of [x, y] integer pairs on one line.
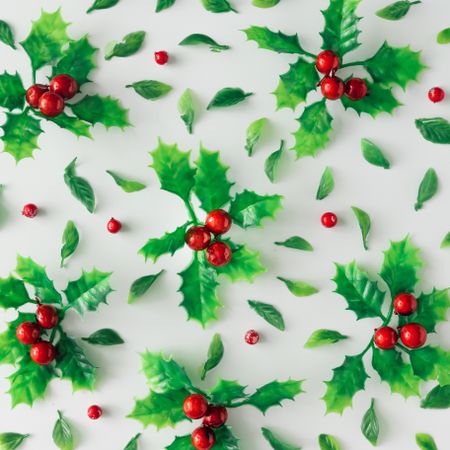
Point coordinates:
[[10, 441], [217, 6], [10, 348], [269, 313], [434, 129], [315, 127], [129, 45], [225, 439], [6, 34], [299, 288], [203, 39], [328, 442], [275, 442], [105, 336], [225, 391], [13, 293], [164, 4], [126, 184], [427, 188], [12, 92], [150, 89], [443, 37], [265, 3], [396, 10], [70, 240], [133, 443], [215, 355], [364, 223], [437, 398], [253, 134], [102, 4], [326, 184], [62, 434], [297, 243], [323, 337], [272, 162], [370, 427], [140, 286], [373, 154], [446, 241], [431, 363], [186, 109], [73, 124], [181, 443], [270, 40], [79, 187], [425, 441], [347, 380], [228, 97]]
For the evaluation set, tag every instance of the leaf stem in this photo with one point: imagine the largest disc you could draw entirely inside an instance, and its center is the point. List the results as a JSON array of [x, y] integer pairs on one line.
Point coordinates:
[[191, 211], [415, 3], [311, 55], [354, 63], [53, 334], [369, 345], [406, 350]]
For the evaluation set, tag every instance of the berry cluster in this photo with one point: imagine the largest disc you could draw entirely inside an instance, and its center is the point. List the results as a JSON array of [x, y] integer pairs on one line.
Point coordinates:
[[332, 87], [218, 253], [50, 98]]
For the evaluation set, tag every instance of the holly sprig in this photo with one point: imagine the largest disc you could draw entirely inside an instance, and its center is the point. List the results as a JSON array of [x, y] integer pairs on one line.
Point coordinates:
[[208, 181], [387, 68], [50, 48]]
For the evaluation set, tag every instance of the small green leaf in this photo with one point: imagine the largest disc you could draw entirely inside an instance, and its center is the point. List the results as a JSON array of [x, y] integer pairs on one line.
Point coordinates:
[[437, 398], [253, 134], [272, 162], [70, 240], [129, 45], [140, 286], [269, 313], [326, 184], [13, 293], [215, 355], [299, 288], [203, 39], [217, 6], [186, 109], [6, 34], [164, 4], [265, 3], [425, 442], [396, 10], [270, 40], [12, 92], [434, 129], [275, 442], [10, 441], [443, 36], [328, 442], [228, 97], [62, 434], [373, 154], [364, 224], [79, 187], [322, 337], [225, 391], [126, 184], [150, 89], [133, 443], [370, 427], [297, 243], [427, 188], [102, 4], [105, 336], [446, 241]]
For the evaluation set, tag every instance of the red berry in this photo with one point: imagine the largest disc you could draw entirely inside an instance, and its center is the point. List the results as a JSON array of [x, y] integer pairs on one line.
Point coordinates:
[[28, 333], [332, 88], [203, 438], [113, 225], [413, 335], [329, 220], [385, 338], [195, 406], [355, 89], [327, 61], [34, 93], [218, 221], [436, 94], [215, 417], [42, 353], [51, 104], [252, 337], [64, 85], [405, 304], [47, 316], [198, 238], [94, 412], [161, 57], [30, 210], [219, 254]]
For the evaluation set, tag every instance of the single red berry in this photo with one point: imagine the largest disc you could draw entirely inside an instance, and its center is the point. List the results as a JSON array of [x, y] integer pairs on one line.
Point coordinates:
[[34, 93], [355, 89], [332, 88], [161, 57], [327, 61], [385, 338], [252, 337], [195, 406], [28, 333], [219, 254], [113, 225], [405, 304], [42, 353], [329, 220], [51, 104], [30, 210], [198, 238], [203, 438], [47, 316], [218, 221], [436, 94], [94, 412], [413, 335], [64, 85], [215, 417]]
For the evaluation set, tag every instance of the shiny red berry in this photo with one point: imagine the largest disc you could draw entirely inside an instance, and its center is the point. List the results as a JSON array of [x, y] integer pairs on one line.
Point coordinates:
[[47, 316], [28, 333], [161, 57], [64, 85], [42, 353], [219, 254], [113, 225], [34, 93], [94, 412], [215, 416], [327, 61], [218, 221], [332, 88], [195, 406], [355, 89], [385, 338], [405, 304], [413, 335], [198, 238], [203, 438], [51, 104], [436, 94], [329, 220], [251, 337], [30, 210]]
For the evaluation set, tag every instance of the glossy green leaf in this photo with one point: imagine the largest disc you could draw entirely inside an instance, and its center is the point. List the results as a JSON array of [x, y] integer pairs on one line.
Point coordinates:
[[105, 336], [133, 443], [443, 37], [425, 441], [297, 243], [431, 363], [328, 442], [161, 5], [253, 134], [275, 442], [79, 187], [265, 3], [225, 391], [434, 129], [446, 241], [140, 286], [273, 161], [427, 188], [181, 443], [150, 89], [322, 337], [126, 184], [70, 240], [186, 109], [11, 350], [203, 39], [269, 313], [129, 45], [396, 10], [228, 96], [225, 439], [215, 355], [299, 288], [370, 427], [11, 441], [326, 184], [13, 293], [73, 124], [102, 4], [364, 223], [12, 92], [437, 398], [271, 40], [6, 34], [373, 154], [217, 6], [62, 433]]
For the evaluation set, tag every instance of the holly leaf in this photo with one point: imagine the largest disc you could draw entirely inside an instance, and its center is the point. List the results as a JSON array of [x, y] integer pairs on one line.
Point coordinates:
[[328, 442], [427, 188], [203, 39], [181, 443], [10, 348], [73, 124], [218, 6], [225, 391], [425, 441], [270, 40], [186, 109], [299, 288], [150, 89], [225, 439], [370, 427], [129, 45], [79, 187], [13, 293], [133, 443], [7, 35], [102, 4], [323, 337], [127, 185], [364, 223], [275, 442], [140, 286], [315, 127], [437, 398], [253, 134], [12, 92], [62, 433], [434, 129], [215, 355], [105, 336], [269, 313], [70, 241], [10, 441], [373, 154], [164, 4], [228, 96], [431, 363], [326, 184], [297, 243]]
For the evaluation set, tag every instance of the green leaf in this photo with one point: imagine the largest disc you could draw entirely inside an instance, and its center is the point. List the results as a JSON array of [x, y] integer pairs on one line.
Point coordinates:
[[203, 39], [265, 3], [299, 288], [126, 184], [105, 336], [10, 441], [225, 391], [396, 10], [427, 188], [150, 89], [297, 243], [129, 45], [79, 187], [270, 40], [370, 427], [164, 4], [364, 223], [253, 134], [140, 286], [70, 240], [272, 162], [215, 355], [322, 337], [269, 313], [226, 439], [425, 441], [373, 154], [133, 443], [10, 348], [248, 209], [347, 380], [326, 184], [228, 97], [217, 6], [212, 186], [446, 241], [6, 34], [328, 442], [434, 129], [13, 293], [102, 4], [443, 37], [315, 127], [12, 92], [431, 363], [181, 443], [186, 109], [275, 442], [437, 398], [73, 124], [62, 434]]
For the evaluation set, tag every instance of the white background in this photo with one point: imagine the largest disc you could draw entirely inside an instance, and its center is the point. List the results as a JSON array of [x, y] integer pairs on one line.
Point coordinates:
[[156, 322]]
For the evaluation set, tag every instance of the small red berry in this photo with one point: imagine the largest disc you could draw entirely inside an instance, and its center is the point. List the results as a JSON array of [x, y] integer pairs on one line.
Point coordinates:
[[332, 88], [252, 337], [47, 316], [28, 333], [198, 238], [203, 438], [413, 335], [355, 89], [34, 93], [215, 417], [161, 57], [42, 353], [30, 210], [219, 254], [218, 221], [436, 94], [195, 406], [329, 220], [327, 61], [94, 412], [113, 225], [405, 304], [64, 85], [385, 338], [51, 104]]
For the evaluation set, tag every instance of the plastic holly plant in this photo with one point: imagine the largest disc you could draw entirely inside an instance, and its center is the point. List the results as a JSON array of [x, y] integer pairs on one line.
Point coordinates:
[[35, 343], [69, 63], [213, 255], [388, 67], [399, 356]]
